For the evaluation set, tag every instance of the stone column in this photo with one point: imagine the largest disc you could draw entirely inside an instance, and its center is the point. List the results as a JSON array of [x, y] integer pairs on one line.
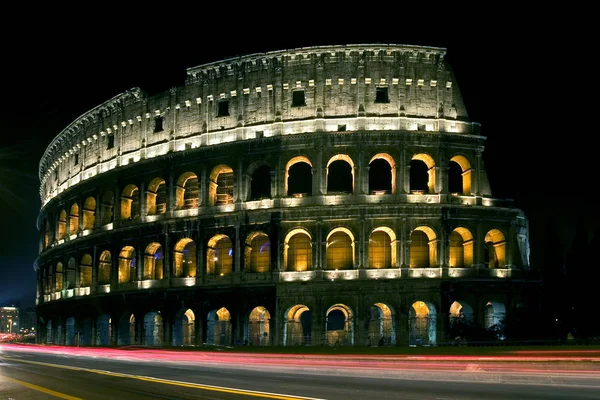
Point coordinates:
[[476, 173], [238, 250], [167, 259]]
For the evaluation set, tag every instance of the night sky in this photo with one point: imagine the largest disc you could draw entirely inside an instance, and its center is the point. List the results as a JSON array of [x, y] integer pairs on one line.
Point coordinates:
[[509, 84]]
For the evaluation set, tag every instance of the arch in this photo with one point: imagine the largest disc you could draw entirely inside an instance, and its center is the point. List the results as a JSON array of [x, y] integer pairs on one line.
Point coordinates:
[[127, 265], [422, 173], [298, 180], [58, 277], [89, 213], [70, 329], [153, 329], [74, 219], [106, 213], [382, 174], [187, 191], [85, 271], [297, 250], [257, 254], [461, 320], [339, 326], [219, 255], [104, 268], [459, 175], [61, 226], [494, 319], [382, 248], [70, 278], [218, 327], [340, 178], [184, 328], [260, 182], [220, 189], [423, 248], [130, 202], [495, 249], [127, 330], [184, 258], [422, 319], [381, 325], [461, 248], [153, 262], [340, 249], [103, 330], [156, 197], [297, 326], [258, 330]]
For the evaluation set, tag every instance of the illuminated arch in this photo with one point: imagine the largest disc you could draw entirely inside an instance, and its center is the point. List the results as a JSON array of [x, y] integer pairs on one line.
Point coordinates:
[[184, 258], [71, 270], [258, 330], [348, 160], [430, 164], [127, 265], [89, 213], [297, 326], [466, 174], [219, 255], [74, 219], [184, 328], [106, 213], [187, 191], [153, 329], [461, 248], [61, 227], [495, 314], [423, 248], [392, 164], [297, 250], [220, 190], [58, 277], [381, 324], [85, 271], [340, 250], [260, 180], [218, 327], [422, 320], [382, 248], [290, 163], [130, 202], [339, 325], [104, 268], [156, 197], [257, 253], [495, 249], [153, 262]]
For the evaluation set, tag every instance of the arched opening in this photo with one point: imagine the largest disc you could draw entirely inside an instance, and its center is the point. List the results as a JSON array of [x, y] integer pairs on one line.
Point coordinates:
[[71, 269], [422, 324], [187, 191], [495, 314], [218, 327], [257, 327], [340, 175], [459, 176], [297, 251], [461, 248], [153, 329], [184, 328], [382, 174], [156, 197], [70, 332], [46, 233], [103, 330], [85, 271], [422, 174], [89, 213], [298, 178], [127, 265], [104, 268], [219, 256], [126, 330], [49, 333], [297, 329], [382, 248], [380, 323], [495, 249], [260, 183], [257, 256], [220, 189], [107, 208], [461, 321], [61, 226], [339, 326], [58, 278], [130, 202], [153, 262], [423, 251], [74, 219], [184, 258], [340, 249]]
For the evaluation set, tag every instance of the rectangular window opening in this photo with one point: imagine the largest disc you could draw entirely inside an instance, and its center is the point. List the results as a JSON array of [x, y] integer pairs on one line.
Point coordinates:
[[76, 159], [110, 142], [223, 110], [298, 98], [381, 95], [158, 124]]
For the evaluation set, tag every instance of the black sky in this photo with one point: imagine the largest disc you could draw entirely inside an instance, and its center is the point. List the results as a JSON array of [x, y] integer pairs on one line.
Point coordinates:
[[512, 82]]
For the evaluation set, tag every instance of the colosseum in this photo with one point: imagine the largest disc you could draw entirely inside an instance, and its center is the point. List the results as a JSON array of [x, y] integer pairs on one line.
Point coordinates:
[[330, 195]]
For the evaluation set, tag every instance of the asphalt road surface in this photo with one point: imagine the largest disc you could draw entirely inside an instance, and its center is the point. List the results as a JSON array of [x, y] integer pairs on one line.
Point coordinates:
[[41, 372]]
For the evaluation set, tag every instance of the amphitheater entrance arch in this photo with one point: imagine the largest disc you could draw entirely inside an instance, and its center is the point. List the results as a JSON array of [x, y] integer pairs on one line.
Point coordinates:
[[495, 313], [153, 329], [339, 327], [381, 324], [70, 332], [184, 328], [495, 249], [422, 324], [297, 328], [49, 332], [257, 330], [461, 320], [126, 330], [103, 330], [298, 177], [218, 327]]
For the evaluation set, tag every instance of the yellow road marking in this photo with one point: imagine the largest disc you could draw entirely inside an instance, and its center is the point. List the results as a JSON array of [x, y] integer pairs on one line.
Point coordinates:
[[43, 389], [175, 383]]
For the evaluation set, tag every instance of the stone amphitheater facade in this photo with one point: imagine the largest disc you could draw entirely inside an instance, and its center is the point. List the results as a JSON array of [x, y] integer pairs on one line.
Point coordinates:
[[329, 195]]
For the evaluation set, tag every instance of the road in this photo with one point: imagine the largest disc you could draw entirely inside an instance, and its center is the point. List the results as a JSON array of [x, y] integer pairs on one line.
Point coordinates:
[[47, 372]]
